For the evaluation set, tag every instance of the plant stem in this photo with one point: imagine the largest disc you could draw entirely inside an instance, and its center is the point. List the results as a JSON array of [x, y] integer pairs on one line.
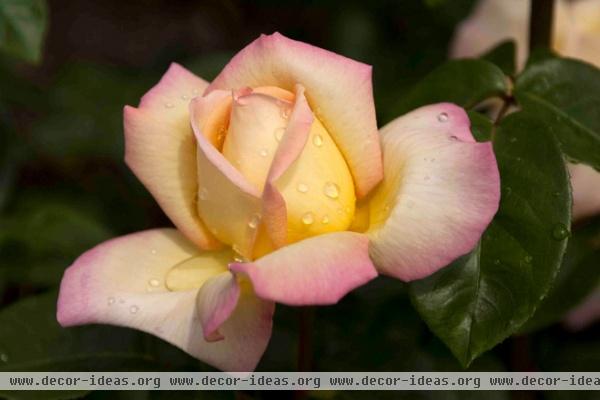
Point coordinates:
[[540, 24], [305, 344]]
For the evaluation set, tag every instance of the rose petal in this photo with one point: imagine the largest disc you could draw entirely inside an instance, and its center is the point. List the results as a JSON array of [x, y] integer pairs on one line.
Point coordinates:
[[227, 202], [122, 282], [339, 90], [585, 181], [319, 270], [439, 193], [160, 149], [217, 299]]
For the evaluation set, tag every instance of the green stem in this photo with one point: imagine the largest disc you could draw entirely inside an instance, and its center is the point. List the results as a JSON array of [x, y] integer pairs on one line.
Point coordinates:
[[540, 24]]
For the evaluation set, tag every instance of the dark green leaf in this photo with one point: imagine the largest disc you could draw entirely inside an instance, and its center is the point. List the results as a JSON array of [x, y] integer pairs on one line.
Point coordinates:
[[22, 28], [566, 93], [503, 55], [486, 295], [481, 126], [464, 82], [578, 277]]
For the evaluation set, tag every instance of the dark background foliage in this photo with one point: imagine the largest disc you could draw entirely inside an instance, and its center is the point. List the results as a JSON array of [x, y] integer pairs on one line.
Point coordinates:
[[64, 186]]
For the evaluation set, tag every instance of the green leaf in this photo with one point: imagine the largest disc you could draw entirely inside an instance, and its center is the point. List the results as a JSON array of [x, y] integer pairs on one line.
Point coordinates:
[[578, 277], [486, 295], [503, 55], [566, 93], [481, 126], [463, 82], [22, 28]]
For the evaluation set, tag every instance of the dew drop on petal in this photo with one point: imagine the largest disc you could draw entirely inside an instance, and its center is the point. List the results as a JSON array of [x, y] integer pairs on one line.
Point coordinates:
[[203, 194], [331, 190], [284, 111], [111, 301], [254, 221], [325, 220], [154, 282], [560, 232], [168, 105], [134, 309], [264, 152], [302, 188], [238, 259], [184, 97], [279, 133], [442, 117], [308, 218], [317, 140]]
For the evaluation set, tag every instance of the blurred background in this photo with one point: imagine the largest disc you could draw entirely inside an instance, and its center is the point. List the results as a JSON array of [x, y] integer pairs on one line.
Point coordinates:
[[64, 186]]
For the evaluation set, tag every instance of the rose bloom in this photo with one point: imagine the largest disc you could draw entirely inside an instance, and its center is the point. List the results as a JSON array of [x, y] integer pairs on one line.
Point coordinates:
[[576, 34], [282, 190]]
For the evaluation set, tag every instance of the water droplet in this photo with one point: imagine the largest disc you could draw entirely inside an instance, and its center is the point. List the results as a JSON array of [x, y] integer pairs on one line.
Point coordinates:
[[317, 140], [254, 221], [284, 111], [308, 218], [134, 309], [236, 248], [279, 133], [153, 251], [154, 282], [331, 190], [528, 259], [4, 357], [512, 139], [111, 301], [519, 159], [184, 97], [302, 188], [560, 232], [168, 105], [325, 220], [442, 117], [238, 259], [264, 152], [203, 194], [556, 194], [453, 137], [497, 261], [195, 91]]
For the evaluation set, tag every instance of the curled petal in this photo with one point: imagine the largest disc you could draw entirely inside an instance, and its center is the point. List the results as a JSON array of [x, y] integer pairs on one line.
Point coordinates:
[[160, 149], [338, 89], [227, 202], [440, 191], [217, 299], [122, 282], [318, 270]]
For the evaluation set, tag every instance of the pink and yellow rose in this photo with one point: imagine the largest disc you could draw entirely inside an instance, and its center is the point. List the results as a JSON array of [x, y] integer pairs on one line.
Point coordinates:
[[282, 190]]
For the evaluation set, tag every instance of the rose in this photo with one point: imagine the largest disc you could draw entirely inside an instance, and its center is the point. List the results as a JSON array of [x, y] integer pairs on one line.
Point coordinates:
[[273, 176], [576, 31]]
